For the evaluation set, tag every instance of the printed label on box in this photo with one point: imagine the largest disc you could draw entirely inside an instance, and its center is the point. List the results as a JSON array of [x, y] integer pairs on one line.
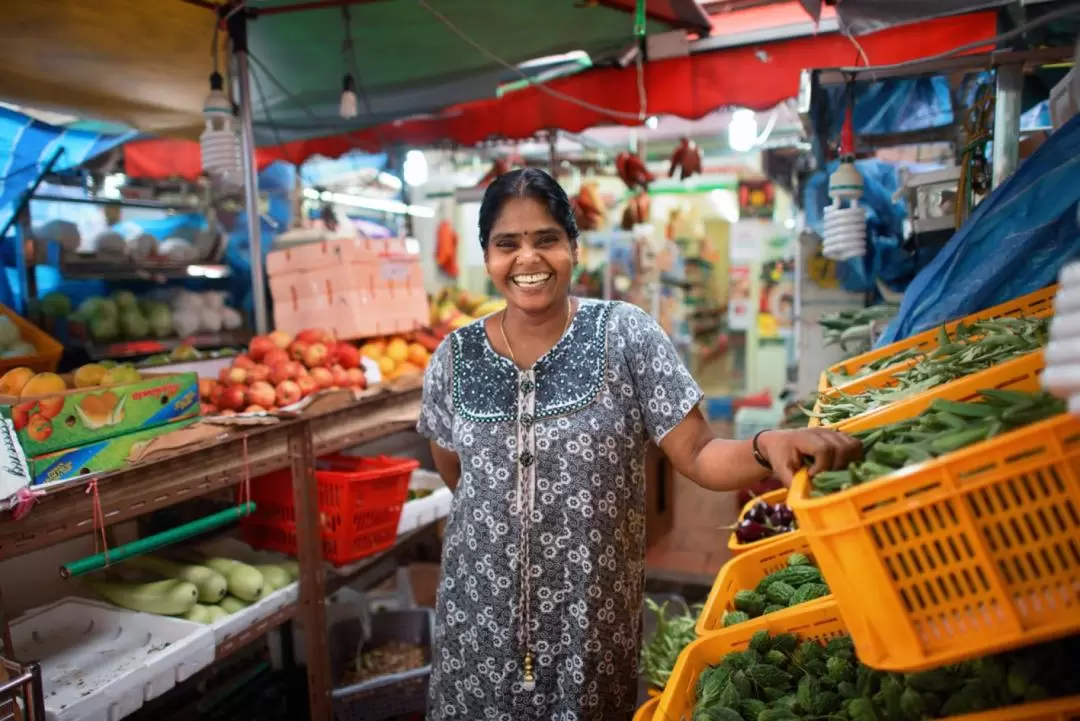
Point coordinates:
[[14, 474]]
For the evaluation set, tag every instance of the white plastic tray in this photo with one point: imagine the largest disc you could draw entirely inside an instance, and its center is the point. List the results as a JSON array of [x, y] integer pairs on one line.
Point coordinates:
[[431, 508], [102, 663], [244, 619]]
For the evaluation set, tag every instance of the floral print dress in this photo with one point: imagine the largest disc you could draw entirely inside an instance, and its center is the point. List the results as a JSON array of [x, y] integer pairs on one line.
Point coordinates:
[[544, 548]]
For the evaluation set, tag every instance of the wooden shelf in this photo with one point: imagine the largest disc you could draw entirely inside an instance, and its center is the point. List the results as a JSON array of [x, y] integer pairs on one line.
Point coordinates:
[[240, 452], [67, 512]]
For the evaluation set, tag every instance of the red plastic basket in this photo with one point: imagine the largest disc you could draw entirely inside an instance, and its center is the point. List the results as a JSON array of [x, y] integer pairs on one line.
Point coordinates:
[[360, 502]]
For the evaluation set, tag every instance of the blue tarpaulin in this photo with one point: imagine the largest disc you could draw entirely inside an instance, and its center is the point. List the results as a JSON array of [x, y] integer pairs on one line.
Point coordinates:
[[888, 107], [1014, 243], [884, 228], [25, 146]]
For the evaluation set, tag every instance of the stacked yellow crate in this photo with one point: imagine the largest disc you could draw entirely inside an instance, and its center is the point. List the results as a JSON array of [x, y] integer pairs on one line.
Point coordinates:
[[969, 554]]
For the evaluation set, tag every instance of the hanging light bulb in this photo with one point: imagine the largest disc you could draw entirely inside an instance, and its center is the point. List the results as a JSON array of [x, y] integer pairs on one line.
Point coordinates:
[[219, 141], [415, 169], [845, 225], [347, 109], [742, 130]]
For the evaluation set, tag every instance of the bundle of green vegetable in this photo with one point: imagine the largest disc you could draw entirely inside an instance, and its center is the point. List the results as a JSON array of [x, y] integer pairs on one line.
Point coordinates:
[[799, 583], [971, 349], [944, 427], [672, 635], [779, 678], [850, 329], [840, 377]]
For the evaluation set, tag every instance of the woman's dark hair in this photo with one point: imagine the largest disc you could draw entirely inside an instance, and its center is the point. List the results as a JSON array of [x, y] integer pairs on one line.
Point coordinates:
[[526, 183]]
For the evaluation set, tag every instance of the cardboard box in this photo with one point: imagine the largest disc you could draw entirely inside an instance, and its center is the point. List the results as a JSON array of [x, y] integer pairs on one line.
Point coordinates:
[[79, 417], [109, 454]]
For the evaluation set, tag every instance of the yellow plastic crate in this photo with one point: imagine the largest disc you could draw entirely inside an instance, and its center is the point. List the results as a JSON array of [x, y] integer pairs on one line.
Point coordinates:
[[48, 353], [814, 622], [647, 712], [986, 378], [745, 571], [1036, 305], [973, 553], [733, 544]]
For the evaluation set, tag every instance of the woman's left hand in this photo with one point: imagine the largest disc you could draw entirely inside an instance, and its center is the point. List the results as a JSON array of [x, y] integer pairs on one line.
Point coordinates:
[[786, 451]]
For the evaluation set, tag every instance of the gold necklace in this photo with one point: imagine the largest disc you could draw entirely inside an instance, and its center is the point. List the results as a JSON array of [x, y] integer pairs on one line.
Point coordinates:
[[506, 341]]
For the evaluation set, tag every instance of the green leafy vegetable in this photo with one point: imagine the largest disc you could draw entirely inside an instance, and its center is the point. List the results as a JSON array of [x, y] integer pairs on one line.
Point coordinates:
[[672, 635]]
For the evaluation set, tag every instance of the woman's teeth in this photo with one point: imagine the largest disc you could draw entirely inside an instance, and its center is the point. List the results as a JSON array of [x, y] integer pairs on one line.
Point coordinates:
[[532, 280]]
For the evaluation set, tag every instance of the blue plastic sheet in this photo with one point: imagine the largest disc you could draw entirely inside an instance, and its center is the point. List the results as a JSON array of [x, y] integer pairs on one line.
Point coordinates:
[[1014, 243], [25, 145], [889, 106]]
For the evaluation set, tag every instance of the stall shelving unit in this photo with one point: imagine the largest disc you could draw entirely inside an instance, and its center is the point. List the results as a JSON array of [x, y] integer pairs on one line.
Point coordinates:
[[224, 462]]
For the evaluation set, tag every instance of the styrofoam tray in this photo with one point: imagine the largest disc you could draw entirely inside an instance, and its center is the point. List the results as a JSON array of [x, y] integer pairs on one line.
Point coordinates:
[[206, 368], [103, 663], [422, 511], [244, 619]]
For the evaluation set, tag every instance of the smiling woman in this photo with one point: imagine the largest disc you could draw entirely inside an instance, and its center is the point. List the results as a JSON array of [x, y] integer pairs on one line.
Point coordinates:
[[539, 418]]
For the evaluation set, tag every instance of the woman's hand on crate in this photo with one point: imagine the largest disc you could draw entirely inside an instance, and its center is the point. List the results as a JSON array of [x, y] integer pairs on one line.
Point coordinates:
[[721, 464], [788, 452]]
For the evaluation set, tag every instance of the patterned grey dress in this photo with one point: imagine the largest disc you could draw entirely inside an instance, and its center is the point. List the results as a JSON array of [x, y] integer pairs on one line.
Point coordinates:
[[544, 548]]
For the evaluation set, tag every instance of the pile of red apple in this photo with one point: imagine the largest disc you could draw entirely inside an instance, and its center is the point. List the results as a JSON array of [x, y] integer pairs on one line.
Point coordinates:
[[279, 370]]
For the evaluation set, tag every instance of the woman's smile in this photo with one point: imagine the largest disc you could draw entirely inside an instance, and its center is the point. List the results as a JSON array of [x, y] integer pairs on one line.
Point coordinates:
[[531, 281]]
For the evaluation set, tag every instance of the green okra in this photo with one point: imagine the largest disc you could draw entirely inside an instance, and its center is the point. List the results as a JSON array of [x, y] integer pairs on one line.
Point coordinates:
[[944, 427], [968, 410], [969, 350], [960, 439]]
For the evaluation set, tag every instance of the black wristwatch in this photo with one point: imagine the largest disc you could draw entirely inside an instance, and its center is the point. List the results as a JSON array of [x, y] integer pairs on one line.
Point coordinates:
[[761, 459]]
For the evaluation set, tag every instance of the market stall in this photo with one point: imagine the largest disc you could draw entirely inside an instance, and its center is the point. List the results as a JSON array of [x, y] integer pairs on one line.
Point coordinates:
[[915, 526], [932, 577]]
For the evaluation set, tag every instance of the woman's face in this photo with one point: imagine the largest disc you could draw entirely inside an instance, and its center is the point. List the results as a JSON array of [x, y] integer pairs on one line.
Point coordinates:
[[529, 256]]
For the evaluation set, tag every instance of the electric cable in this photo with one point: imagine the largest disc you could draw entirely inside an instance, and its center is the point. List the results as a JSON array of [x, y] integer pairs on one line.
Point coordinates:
[[539, 85], [1015, 32]]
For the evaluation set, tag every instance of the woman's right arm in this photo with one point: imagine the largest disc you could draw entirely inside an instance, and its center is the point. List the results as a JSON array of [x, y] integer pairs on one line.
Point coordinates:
[[447, 464], [437, 414]]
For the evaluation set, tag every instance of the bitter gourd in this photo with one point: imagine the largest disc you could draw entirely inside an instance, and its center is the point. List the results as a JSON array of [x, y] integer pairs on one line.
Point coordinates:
[[780, 592], [808, 592], [750, 602]]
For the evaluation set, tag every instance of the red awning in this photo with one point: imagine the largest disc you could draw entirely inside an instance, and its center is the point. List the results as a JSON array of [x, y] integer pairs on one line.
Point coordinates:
[[756, 77]]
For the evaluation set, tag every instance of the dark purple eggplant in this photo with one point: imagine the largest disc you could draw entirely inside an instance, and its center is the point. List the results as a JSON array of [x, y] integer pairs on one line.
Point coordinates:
[[749, 531], [759, 512], [781, 515]]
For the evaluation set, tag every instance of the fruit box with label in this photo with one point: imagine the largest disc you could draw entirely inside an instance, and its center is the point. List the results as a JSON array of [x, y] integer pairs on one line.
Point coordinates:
[[46, 423], [108, 454]]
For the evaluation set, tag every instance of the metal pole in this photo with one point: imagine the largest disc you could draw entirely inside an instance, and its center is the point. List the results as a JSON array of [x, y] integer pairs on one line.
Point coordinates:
[[237, 23], [553, 153], [1006, 153]]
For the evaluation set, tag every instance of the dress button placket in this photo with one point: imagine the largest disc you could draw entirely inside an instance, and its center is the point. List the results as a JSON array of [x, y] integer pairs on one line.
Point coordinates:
[[526, 468]]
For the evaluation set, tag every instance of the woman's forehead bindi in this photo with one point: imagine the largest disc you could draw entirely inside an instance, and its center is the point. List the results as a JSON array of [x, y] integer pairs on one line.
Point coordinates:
[[513, 234]]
